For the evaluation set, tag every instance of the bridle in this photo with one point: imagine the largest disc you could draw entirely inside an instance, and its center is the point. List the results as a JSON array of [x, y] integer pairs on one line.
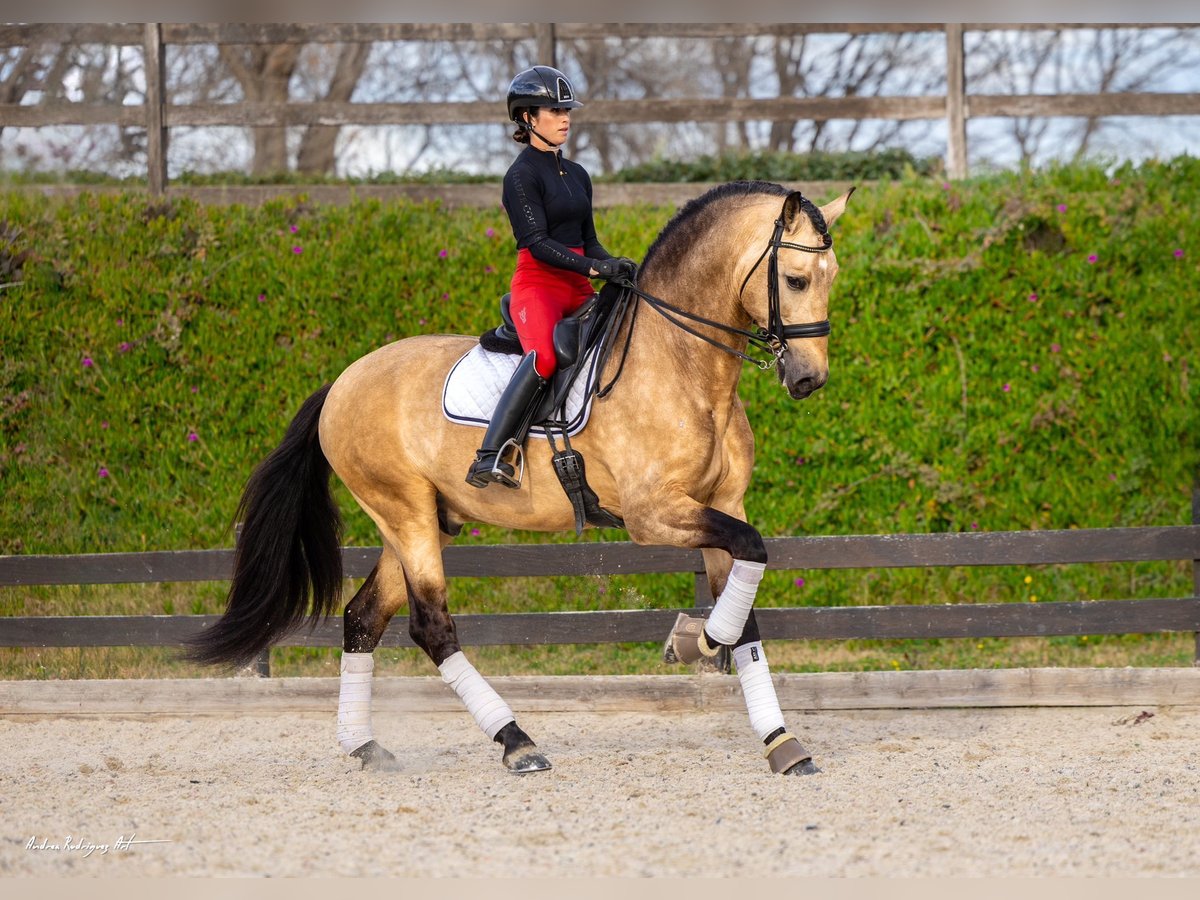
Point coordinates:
[[772, 339]]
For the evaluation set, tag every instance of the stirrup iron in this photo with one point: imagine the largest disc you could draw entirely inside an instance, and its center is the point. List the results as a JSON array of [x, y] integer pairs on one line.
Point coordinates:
[[518, 464]]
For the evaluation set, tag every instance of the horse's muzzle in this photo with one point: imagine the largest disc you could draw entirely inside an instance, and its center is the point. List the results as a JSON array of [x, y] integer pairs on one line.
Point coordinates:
[[800, 380]]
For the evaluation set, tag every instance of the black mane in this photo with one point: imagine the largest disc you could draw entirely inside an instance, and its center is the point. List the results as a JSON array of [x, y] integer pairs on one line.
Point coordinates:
[[693, 216]]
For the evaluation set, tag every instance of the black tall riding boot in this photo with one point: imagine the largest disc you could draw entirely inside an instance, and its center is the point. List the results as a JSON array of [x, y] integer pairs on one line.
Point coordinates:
[[508, 426]]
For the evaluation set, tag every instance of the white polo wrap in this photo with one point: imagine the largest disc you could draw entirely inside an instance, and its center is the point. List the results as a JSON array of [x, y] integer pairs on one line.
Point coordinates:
[[755, 676], [729, 616], [354, 701], [484, 704]]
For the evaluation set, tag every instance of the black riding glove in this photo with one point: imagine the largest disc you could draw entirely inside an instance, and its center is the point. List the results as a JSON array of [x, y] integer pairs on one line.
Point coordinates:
[[615, 267]]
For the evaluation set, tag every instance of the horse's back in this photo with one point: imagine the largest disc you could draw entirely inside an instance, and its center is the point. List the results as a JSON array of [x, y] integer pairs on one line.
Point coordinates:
[[390, 392]]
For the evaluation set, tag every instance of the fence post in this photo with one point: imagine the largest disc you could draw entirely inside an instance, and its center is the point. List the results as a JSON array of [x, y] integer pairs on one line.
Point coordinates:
[[1196, 562], [547, 44], [956, 102], [156, 100]]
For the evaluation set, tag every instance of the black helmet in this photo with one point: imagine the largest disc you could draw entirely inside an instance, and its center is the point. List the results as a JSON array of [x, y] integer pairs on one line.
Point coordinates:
[[540, 86]]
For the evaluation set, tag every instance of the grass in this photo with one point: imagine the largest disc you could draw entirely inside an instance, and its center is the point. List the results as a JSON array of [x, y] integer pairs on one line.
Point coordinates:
[[1010, 352]]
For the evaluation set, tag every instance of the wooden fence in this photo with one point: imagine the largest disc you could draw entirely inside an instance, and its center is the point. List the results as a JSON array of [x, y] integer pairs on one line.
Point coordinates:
[[158, 115], [963, 620]]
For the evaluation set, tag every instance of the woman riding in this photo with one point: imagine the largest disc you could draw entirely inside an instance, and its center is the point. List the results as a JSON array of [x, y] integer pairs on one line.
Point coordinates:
[[549, 204]]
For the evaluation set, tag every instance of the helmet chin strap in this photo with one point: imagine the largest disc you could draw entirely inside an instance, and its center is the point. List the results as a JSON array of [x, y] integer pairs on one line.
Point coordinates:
[[544, 140]]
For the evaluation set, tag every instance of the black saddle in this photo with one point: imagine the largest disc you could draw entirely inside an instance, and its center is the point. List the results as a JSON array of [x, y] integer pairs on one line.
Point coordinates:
[[574, 337]]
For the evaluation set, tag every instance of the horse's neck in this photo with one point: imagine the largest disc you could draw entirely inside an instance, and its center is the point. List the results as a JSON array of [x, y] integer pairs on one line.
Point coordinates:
[[684, 361]]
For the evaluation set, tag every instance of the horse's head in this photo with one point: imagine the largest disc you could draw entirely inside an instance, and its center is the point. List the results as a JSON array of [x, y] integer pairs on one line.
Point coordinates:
[[798, 267]]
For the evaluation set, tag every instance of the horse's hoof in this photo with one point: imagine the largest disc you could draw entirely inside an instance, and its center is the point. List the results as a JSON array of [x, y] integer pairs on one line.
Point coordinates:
[[685, 643], [785, 756], [807, 767], [527, 760], [375, 758]]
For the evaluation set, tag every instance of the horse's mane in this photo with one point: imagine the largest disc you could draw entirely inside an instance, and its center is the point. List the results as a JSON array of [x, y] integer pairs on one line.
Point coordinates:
[[696, 214]]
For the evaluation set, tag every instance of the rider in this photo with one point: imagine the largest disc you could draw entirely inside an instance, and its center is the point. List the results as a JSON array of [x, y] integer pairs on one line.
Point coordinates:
[[549, 203]]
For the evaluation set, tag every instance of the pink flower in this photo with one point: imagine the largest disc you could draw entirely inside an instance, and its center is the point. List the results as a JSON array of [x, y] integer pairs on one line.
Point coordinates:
[[488, 270], [87, 362], [125, 346], [420, 321], [103, 473], [1092, 258], [1112, 477], [1033, 298], [475, 532], [295, 228], [297, 249], [104, 426], [974, 526], [1035, 368], [442, 254], [262, 298], [1179, 253], [445, 296], [1062, 207], [1055, 348], [799, 582], [195, 389], [491, 232], [193, 437], [122, 321], [1006, 388]]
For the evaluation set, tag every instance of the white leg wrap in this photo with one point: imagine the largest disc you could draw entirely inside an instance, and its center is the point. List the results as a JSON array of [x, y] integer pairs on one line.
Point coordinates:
[[354, 701], [484, 704], [729, 616], [758, 689]]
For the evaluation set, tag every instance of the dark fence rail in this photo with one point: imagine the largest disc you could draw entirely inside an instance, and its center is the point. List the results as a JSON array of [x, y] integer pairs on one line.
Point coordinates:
[[1143, 616], [158, 115]]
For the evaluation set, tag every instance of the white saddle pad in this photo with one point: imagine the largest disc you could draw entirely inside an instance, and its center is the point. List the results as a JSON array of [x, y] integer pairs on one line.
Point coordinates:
[[476, 381]]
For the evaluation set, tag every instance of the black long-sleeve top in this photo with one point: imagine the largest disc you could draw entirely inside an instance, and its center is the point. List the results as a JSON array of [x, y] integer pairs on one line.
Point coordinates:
[[549, 204]]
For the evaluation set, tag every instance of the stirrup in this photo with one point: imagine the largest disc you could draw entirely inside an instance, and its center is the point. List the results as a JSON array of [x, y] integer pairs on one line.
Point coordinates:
[[686, 643], [517, 466]]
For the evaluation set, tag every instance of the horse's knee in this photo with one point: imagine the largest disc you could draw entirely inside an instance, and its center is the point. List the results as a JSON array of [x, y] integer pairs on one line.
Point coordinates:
[[739, 539], [368, 613]]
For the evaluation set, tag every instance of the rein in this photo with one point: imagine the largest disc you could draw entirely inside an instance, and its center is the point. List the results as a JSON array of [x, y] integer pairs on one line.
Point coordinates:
[[772, 339]]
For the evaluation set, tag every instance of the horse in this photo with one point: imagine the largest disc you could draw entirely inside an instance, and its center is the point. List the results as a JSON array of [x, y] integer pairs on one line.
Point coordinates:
[[669, 448]]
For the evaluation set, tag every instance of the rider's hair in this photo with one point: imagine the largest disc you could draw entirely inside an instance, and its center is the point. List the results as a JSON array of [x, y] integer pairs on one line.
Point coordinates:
[[521, 135]]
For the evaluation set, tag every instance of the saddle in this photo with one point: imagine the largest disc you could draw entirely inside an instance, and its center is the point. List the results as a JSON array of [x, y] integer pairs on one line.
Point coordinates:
[[575, 336], [577, 339]]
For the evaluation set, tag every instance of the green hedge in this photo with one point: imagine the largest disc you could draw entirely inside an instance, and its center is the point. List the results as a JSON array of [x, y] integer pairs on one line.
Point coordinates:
[[1011, 352]]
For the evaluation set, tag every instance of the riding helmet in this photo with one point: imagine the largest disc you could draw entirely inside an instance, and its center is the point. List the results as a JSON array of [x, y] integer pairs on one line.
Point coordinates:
[[540, 86]]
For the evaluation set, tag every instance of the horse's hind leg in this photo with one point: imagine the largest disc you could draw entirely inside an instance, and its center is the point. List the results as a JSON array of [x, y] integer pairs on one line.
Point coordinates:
[[432, 629], [364, 622]]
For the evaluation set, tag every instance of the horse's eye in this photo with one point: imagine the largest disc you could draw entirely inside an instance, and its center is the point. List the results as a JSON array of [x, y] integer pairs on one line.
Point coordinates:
[[797, 282]]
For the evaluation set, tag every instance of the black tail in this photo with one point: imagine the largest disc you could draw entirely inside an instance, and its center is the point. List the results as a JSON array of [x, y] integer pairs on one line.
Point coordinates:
[[290, 540]]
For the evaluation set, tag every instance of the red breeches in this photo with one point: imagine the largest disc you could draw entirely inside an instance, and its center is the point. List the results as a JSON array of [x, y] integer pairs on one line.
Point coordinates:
[[541, 296]]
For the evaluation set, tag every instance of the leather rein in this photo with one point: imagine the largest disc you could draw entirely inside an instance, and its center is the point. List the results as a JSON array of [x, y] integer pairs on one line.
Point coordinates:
[[772, 339]]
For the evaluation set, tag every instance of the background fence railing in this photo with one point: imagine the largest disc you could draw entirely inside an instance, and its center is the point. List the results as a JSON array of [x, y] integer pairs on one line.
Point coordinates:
[[158, 115], [961, 620]]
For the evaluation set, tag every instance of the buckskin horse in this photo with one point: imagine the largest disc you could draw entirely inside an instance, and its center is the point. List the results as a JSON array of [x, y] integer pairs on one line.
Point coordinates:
[[669, 450]]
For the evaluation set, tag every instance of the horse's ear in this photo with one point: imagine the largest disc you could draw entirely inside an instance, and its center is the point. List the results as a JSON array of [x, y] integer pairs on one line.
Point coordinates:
[[792, 207], [835, 208]]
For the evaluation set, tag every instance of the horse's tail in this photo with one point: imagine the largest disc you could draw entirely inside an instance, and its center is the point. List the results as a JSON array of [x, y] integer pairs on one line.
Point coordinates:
[[290, 541]]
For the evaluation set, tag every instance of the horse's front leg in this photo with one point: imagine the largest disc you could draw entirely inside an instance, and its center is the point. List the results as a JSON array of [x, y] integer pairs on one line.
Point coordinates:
[[735, 557]]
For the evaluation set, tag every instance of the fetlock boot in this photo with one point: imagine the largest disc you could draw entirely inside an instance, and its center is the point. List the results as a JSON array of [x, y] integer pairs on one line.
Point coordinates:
[[508, 427]]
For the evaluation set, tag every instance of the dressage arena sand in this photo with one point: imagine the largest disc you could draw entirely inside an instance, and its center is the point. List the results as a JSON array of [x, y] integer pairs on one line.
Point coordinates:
[[1093, 791]]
